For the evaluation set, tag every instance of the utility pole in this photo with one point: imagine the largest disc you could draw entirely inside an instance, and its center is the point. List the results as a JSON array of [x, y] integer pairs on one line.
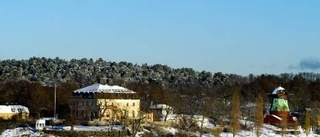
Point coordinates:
[[55, 101]]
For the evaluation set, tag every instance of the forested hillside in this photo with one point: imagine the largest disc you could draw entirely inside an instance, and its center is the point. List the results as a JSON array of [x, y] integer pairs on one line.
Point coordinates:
[[88, 71], [30, 82]]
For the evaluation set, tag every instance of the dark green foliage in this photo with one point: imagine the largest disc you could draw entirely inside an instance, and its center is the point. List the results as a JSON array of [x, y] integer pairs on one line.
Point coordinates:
[[87, 71]]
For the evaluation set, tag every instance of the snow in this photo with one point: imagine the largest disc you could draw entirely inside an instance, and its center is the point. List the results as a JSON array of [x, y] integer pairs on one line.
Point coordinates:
[[277, 117], [266, 131], [13, 109], [90, 128], [17, 132], [160, 106], [28, 131], [278, 89], [99, 88]]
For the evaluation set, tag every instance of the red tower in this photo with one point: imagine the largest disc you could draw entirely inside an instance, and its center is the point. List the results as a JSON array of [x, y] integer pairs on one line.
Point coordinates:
[[279, 109]]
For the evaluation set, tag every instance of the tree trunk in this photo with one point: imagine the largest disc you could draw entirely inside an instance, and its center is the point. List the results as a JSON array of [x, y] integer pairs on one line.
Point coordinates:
[[201, 126]]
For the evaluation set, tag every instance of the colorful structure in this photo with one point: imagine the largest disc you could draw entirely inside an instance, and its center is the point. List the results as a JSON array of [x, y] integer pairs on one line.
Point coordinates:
[[279, 109]]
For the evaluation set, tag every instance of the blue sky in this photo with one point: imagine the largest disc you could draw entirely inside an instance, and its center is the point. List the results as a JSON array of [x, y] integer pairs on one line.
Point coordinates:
[[239, 37]]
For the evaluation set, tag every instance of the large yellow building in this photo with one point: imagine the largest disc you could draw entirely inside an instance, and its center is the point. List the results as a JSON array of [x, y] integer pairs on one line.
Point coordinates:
[[105, 102]]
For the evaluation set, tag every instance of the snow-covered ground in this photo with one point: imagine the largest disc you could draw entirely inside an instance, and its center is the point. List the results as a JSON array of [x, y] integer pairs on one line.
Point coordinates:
[[90, 128], [28, 131], [18, 132], [267, 131]]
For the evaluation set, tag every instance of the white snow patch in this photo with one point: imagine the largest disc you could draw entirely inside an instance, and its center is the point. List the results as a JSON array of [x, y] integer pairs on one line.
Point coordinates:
[[17, 132], [99, 88], [278, 90]]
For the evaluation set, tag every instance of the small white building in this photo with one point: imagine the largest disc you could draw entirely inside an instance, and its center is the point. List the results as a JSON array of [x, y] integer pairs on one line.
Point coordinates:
[[161, 112], [7, 111], [40, 124]]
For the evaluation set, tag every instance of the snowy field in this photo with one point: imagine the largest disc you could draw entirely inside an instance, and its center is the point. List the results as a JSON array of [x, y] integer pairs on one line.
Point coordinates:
[[267, 131], [28, 131]]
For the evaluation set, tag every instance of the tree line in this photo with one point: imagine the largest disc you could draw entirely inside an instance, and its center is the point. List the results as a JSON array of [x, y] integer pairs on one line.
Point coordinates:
[[30, 83]]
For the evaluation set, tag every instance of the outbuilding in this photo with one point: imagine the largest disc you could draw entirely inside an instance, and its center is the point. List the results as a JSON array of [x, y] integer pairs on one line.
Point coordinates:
[[40, 124], [8, 111]]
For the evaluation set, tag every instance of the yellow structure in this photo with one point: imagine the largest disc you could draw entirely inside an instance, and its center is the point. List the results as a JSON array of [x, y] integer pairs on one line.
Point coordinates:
[[8, 111], [105, 102]]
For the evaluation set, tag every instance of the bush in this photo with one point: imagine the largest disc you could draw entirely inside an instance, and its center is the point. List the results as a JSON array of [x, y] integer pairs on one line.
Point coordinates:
[[147, 134], [216, 131], [97, 123], [180, 134]]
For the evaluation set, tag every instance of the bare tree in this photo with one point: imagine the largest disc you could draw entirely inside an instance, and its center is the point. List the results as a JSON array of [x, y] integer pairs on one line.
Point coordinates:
[[235, 112], [73, 116], [135, 124], [259, 115], [105, 107], [169, 100]]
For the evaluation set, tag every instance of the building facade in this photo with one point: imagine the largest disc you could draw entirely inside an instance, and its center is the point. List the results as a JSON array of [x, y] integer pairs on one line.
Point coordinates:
[[105, 102]]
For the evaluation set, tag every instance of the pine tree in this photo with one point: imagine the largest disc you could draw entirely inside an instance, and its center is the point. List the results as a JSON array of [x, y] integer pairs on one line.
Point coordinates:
[[235, 113], [259, 115]]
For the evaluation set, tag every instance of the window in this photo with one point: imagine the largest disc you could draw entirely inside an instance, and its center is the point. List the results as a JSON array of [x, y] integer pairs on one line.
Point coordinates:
[[127, 104], [133, 104]]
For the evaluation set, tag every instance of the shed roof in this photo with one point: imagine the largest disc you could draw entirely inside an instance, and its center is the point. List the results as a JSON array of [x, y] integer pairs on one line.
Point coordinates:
[[13, 109]]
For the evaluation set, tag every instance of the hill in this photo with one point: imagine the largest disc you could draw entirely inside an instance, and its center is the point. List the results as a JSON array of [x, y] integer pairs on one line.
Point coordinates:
[[190, 92]]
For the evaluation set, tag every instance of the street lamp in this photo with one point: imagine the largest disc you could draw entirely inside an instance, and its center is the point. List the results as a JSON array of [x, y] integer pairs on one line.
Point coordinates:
[[55, 101]]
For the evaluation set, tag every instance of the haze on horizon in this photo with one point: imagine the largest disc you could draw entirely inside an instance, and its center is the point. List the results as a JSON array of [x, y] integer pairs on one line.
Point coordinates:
[[239, 37]]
